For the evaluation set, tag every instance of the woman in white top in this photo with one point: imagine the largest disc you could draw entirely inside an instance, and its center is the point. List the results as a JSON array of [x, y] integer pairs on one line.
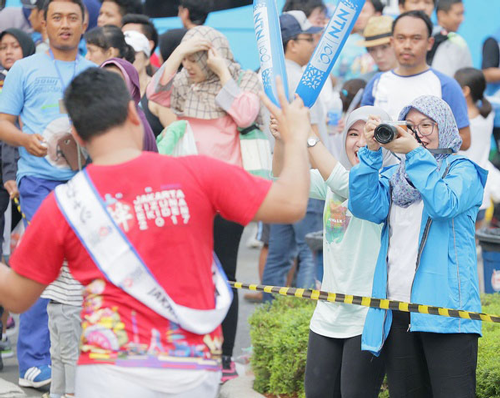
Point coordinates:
[[336, 366], [481, 116]]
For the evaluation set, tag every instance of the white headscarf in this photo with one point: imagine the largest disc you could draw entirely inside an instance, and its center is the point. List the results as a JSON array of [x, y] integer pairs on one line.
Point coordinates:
[[364, 113]]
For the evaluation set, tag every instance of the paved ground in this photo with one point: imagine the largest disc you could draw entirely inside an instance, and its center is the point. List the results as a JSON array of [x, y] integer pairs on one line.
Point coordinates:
[[247, 272]]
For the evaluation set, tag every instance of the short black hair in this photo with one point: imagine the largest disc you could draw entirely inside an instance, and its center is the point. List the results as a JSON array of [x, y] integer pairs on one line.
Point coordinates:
[[40, 5], [169, 42], [109, 36], [97, 100], [198, 10], [307, 6], [128, 6], [402, 2], [377, 5], [148, 28], [79, 2], [445, 5], [417, 15]]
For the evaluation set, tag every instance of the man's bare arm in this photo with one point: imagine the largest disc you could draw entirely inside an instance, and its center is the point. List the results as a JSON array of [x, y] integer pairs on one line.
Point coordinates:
[[492, 75], [17, 293], [10, 134], [466, 138]]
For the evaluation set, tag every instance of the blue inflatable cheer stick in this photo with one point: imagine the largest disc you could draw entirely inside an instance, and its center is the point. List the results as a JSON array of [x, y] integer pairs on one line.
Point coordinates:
[[270, 46], [336, 33]]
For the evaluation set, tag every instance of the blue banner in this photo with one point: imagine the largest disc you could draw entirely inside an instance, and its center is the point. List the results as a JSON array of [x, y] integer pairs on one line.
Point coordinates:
[[270, 47], [329, 47]]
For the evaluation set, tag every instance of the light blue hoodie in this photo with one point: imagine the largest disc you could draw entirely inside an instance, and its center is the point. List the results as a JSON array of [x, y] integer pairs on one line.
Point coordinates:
[[446, 274]]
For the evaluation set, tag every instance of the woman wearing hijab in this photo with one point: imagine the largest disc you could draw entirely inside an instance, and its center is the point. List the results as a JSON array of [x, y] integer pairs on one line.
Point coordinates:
[[216, 97], [336, 366], [14, 45], [428, 204], [131, 77]]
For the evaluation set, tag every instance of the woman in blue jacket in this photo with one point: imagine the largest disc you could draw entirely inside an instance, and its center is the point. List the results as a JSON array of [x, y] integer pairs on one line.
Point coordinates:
[[428, 204]]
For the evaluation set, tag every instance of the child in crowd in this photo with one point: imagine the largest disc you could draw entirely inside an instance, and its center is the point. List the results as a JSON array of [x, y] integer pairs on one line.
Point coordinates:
[[64, 309], [481, 118]]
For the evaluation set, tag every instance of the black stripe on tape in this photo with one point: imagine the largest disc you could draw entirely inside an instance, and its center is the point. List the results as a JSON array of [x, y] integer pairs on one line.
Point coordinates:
[[413, 307], [433, 310], [375, 303]]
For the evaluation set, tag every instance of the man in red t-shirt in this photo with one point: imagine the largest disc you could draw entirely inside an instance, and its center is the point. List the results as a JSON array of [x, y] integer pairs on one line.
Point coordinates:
[[162, 210]]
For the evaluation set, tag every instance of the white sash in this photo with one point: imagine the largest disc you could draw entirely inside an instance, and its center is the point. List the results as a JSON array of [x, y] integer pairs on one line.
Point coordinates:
[[120, 263]]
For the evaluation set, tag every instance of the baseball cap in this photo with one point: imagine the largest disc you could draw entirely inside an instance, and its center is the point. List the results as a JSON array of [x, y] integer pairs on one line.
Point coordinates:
[[377, 32], [294, 23], [30, 4], [138, 42]]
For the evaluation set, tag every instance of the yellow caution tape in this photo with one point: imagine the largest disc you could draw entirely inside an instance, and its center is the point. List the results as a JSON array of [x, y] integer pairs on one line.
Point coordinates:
[[18, 205], [368, 302]]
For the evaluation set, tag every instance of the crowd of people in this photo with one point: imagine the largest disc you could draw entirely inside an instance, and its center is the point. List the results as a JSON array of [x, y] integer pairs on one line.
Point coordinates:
[[121, 277]]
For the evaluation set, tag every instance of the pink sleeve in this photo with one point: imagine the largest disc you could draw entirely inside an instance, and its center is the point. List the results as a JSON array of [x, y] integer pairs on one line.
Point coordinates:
[[159, 88], [245, 109]]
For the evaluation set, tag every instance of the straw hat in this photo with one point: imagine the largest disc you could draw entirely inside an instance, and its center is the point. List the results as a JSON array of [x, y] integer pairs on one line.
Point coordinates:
[[377, 32]]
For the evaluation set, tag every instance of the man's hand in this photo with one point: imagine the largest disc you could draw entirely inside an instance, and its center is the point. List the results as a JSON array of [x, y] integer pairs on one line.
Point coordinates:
[[11, 187], [369, 130], [292, 120], [286, 201], [405, 142], [274, 128], [34, 144]]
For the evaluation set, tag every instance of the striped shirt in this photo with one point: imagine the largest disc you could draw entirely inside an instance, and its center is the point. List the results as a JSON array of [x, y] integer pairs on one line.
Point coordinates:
[[65, 289]]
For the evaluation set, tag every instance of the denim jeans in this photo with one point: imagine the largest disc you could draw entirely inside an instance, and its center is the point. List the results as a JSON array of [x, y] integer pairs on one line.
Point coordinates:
[[33, 344], [287, 239]]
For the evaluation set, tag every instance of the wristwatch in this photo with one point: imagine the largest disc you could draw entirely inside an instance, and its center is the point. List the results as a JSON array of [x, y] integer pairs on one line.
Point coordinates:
[[312, 141]]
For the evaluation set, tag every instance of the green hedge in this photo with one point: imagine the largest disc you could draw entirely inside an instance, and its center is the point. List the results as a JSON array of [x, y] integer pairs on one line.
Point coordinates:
[[279, 336]]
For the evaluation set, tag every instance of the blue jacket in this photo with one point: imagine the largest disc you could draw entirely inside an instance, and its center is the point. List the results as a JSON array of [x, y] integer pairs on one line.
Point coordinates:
[[446, 275]]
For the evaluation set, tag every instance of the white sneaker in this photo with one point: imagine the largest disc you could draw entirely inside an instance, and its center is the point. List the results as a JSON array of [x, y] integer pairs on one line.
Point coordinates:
[[36, 377]]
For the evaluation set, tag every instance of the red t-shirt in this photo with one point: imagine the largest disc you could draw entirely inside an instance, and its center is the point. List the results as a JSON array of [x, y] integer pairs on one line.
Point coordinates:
[[166, 207]]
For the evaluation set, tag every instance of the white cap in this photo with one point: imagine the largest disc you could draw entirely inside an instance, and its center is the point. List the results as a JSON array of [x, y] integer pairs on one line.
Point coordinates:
[[138, 42]]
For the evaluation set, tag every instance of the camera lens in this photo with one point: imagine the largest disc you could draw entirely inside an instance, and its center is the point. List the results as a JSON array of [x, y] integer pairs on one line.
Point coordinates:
[[385, 133]]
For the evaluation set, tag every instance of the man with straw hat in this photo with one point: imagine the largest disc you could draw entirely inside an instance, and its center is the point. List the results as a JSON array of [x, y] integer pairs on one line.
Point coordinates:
[[377, 40]]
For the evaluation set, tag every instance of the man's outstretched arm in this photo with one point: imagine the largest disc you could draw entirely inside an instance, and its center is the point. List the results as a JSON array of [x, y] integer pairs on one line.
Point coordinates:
[[17, 293]]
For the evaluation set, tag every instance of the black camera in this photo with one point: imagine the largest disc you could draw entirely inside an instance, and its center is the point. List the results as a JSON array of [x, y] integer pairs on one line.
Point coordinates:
[[387, 132]]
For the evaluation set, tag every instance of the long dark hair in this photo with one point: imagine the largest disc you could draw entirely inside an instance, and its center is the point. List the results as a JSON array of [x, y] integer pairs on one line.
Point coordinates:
[[475, 80], [109, 36]]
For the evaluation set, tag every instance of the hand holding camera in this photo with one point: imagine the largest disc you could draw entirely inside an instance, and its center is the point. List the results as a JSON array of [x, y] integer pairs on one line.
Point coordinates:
[[393, 136], [369, 130]]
